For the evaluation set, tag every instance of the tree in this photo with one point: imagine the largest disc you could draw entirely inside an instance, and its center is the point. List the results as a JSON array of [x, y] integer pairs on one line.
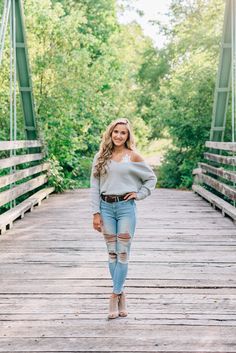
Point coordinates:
[[185, 99]]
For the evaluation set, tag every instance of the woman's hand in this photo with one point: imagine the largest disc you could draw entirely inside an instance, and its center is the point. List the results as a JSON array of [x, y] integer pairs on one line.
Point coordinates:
[[130, 196], [97, 222]]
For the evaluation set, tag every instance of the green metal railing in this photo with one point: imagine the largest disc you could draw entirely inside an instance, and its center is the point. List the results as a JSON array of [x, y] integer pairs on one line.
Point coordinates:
[[19, 66], [26, 172]]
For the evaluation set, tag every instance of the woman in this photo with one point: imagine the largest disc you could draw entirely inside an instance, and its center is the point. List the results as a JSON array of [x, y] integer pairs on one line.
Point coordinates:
[[119, 177]]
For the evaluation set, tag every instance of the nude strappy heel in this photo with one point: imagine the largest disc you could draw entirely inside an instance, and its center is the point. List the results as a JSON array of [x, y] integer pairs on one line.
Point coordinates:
[[122, 305], [113, 307]]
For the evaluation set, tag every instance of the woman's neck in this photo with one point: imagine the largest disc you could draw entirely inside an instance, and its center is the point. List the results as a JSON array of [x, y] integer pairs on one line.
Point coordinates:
[[119, 150]]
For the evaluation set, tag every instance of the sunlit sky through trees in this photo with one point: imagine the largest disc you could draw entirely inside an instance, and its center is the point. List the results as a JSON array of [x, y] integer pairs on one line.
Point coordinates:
[[152, 11]]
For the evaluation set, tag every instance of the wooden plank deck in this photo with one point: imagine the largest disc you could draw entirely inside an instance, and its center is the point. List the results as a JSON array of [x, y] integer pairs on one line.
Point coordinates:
[[181, 286]]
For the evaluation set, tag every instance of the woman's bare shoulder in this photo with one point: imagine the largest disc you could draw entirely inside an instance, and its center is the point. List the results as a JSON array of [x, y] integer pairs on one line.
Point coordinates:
[[136, 157]]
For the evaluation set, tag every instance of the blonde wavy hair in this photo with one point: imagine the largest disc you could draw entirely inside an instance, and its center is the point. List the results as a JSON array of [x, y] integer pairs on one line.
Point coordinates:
[[107, 146]]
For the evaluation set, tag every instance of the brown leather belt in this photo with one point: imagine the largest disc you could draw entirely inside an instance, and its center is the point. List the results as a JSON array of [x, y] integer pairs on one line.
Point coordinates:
[[113, 198]]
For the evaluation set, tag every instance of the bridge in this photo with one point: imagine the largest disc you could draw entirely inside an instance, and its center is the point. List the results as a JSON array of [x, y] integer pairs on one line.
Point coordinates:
[[181, 285], [55, 285]]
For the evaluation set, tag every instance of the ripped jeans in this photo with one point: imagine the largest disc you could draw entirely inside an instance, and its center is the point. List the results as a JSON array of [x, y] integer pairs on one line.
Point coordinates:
[[119, 221]]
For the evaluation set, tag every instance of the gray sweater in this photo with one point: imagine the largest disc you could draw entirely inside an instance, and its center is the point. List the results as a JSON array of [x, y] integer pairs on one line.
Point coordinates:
[[121, 178]]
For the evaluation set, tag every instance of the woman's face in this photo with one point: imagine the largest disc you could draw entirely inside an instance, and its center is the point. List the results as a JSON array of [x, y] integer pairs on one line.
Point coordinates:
[[119, 135]]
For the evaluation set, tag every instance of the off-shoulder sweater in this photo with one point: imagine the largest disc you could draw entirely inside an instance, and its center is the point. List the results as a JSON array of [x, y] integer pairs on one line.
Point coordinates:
[[121, 178]]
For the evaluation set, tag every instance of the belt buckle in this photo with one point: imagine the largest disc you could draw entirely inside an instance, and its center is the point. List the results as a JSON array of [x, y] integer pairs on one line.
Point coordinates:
[[109, 198]]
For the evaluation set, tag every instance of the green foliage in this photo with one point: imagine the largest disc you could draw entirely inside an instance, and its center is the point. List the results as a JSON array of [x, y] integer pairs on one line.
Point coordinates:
[[87, 69], [168, 175], [185, 98], [176, 170], [84, 70], [154, 67], [56, 176]]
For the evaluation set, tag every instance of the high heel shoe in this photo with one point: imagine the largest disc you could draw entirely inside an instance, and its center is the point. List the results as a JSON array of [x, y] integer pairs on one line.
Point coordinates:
[[122, 305], [113, 307]]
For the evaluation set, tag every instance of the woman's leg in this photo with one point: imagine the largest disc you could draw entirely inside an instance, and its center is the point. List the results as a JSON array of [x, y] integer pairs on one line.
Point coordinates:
[[126, 215], [109, 231]]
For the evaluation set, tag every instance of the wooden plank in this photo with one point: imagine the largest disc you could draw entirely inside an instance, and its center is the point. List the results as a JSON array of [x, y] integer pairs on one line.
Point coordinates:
[[216, 201], [144, 317], [13, 145], [11, 215], [180, 297], [140, 314], [57, 329], [179, 256], [54, 286], [174, 275], [226, 174], [16, 191], [16, 160], [224, 189], [220, 159], [69, 303], [24, 173], [226, 146], [43, 245], [133, 343], [166, 235]]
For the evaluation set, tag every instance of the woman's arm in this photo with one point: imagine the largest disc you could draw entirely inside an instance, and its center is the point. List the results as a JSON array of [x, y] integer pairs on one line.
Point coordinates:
[[146, 175], [97, 222], [95, 198], [95, 189]]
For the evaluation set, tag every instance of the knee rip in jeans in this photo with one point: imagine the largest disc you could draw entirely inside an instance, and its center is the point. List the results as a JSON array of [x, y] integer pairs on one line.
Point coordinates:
[[111, 240], [112, 256], [123, 257], [125, 240]]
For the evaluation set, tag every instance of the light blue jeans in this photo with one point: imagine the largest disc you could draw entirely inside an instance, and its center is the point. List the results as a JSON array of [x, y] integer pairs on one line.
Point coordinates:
[[119, 222]]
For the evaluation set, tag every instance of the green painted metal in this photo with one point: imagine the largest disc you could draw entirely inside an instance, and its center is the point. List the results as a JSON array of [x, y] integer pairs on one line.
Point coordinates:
[[23, 73], [223, 82]]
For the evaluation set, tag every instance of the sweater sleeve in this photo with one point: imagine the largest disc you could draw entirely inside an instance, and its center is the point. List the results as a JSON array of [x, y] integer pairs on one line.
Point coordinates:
[[148, 179], [94, 189]]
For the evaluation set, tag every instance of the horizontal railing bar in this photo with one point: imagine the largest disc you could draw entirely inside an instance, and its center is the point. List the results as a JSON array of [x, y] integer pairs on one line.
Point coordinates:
[[220, 159], [9, 216], [226, 146], [226, 207], [30, 128], [218, 128], [13, 145], [226, 45], [20, 44], [24, 173], [226, 174], [25, 89], [223, 89], [16, 191], [221, 187], [16, 160]]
